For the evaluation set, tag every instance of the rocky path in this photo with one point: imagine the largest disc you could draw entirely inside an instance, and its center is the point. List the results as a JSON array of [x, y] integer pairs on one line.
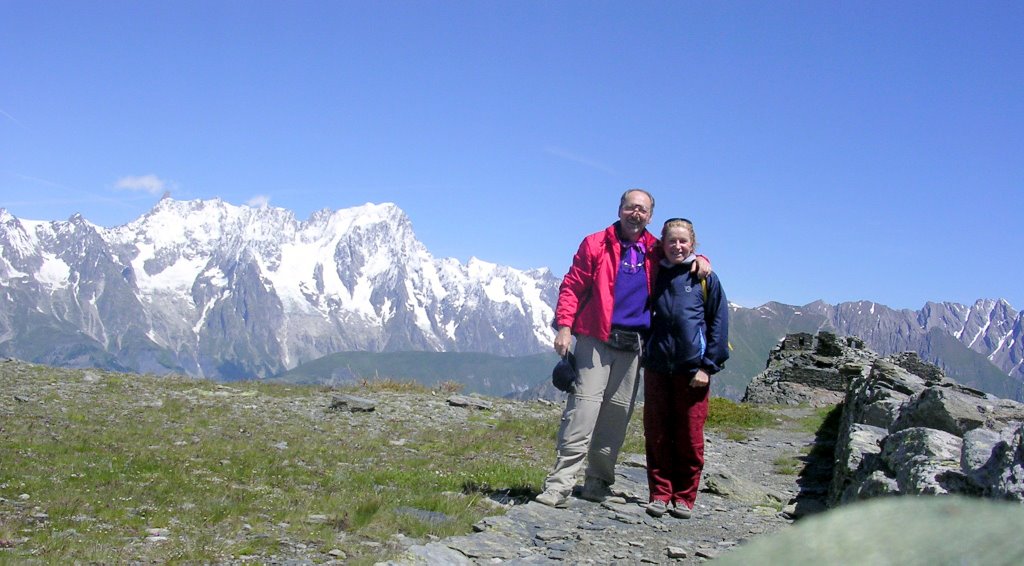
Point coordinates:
[[742, 497]]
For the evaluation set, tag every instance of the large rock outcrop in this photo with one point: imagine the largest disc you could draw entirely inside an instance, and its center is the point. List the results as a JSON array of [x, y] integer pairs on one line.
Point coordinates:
[[907, 430], [805, 369]]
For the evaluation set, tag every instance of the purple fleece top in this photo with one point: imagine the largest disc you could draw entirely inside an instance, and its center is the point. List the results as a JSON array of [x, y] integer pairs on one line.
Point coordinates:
[[629, 308]]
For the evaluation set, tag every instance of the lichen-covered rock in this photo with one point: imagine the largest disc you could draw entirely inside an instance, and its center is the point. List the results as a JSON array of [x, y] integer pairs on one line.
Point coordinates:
[[926, 461], [856, 461], [726, 484]]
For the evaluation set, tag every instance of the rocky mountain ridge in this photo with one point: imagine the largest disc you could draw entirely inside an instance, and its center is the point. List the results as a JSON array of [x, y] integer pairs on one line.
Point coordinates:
[[227, 292]]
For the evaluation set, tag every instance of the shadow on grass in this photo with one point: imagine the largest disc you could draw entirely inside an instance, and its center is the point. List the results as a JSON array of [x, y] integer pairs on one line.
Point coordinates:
[[518, 494], [819, 463]]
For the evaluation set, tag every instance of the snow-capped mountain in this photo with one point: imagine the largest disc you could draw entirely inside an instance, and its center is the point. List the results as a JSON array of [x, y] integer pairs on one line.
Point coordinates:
[[223, 291], [990, 327]]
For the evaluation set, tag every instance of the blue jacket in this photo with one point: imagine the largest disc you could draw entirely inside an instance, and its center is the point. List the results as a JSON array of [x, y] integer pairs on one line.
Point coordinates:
[[687, 334]]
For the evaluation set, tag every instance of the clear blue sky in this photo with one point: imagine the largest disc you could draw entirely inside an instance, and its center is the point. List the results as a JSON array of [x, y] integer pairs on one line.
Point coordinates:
[[835, 151]]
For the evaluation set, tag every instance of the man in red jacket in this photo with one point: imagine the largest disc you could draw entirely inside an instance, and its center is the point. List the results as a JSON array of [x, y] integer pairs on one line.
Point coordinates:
[[603, 302]]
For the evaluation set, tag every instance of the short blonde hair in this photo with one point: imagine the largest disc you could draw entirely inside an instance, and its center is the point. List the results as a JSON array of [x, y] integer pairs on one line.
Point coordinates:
[[679, 223]]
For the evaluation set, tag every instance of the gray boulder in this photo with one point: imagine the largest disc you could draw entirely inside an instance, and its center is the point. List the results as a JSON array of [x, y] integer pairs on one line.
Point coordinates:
[[995, 461], [856, 465], [926, 461]]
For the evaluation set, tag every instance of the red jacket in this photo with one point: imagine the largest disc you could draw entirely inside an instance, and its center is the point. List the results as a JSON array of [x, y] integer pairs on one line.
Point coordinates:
[[587, 292]]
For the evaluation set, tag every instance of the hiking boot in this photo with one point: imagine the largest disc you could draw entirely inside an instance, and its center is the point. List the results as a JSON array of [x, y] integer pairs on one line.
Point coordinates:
[[553, 498], [598, 491], [679, 510], [657, 508]]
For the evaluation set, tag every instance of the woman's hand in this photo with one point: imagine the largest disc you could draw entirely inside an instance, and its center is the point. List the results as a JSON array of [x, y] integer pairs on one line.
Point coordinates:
[[700, 379]]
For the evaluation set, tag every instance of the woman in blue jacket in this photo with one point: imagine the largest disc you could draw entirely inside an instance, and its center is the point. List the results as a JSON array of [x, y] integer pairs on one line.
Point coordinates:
[[688, 344]]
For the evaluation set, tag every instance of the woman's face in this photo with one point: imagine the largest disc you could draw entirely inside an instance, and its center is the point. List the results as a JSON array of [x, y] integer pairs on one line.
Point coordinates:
[[678, 244]]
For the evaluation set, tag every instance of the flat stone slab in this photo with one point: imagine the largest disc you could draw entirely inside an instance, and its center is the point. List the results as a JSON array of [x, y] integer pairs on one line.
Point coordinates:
[[352, 404]]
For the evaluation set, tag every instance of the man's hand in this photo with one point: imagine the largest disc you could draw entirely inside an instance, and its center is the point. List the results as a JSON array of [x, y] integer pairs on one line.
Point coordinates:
[[701, 266], [563, 341], [700, 379]]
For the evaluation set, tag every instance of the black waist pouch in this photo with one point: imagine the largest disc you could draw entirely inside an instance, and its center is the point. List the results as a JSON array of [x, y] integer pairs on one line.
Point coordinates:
[[628, 340]]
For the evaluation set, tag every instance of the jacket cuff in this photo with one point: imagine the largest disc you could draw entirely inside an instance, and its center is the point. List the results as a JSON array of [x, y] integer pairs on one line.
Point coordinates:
[[710, 367]]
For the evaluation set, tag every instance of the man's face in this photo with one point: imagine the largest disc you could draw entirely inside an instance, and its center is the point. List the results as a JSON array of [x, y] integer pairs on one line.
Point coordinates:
[[634, 214]]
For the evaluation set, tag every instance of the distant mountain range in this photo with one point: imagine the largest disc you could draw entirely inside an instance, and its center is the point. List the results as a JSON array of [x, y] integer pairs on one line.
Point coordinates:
[[979, 346], [229, 292]]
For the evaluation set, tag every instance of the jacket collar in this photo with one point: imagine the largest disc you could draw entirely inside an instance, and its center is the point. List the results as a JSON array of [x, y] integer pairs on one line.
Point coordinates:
[[686, 262]]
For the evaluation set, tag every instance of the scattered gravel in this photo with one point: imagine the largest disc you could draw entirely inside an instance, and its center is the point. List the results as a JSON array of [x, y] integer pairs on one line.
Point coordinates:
[[747, 499]]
